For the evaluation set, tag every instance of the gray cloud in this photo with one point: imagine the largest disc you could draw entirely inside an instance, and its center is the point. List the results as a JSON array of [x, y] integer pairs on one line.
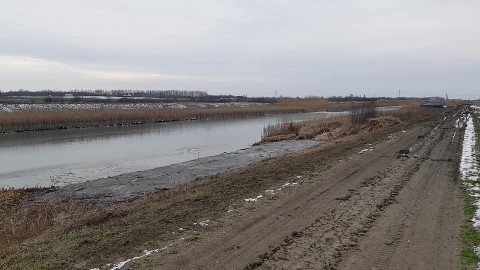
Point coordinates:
[[299, 48]]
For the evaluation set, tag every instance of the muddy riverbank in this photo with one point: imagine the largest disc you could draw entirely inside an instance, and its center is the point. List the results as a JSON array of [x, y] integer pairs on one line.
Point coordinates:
[[131, 185]]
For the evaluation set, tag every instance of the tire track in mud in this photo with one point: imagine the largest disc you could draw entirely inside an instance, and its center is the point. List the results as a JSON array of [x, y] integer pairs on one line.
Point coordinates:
[[321, 245], [421, 231], [253, 235]]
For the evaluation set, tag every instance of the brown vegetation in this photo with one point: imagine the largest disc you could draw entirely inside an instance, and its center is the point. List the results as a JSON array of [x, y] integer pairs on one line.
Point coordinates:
[[35, 120], [364, 118]]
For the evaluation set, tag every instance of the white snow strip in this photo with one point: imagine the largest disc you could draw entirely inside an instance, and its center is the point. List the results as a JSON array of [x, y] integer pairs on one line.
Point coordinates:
[[146, 253], [288, 184], [366, 150], [203, 223], [468, 164], [254, 199], [469, 170], [120, 265]]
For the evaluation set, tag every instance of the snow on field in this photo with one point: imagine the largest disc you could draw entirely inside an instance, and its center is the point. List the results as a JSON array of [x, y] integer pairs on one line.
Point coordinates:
[[121, 106]]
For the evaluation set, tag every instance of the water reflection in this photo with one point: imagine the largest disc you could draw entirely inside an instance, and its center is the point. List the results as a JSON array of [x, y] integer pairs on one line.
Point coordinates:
[[67, 156]]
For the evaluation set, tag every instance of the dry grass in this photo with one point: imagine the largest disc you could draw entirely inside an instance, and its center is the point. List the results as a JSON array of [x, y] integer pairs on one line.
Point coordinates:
[[17, 222], [363, 120], [306, 129], [34, 120]]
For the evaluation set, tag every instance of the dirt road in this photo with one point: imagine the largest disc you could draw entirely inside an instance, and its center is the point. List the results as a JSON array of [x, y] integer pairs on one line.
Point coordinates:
[[395, 204]]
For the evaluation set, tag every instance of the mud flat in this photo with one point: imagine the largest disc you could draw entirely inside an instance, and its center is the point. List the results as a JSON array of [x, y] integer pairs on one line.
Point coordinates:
[[131, 185]]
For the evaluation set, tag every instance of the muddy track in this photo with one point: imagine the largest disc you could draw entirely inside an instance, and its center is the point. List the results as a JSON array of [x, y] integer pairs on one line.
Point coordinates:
[[392, 205]]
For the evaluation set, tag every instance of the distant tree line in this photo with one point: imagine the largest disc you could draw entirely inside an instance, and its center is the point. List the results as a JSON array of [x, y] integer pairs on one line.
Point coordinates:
[[132, 95], [110, 93]]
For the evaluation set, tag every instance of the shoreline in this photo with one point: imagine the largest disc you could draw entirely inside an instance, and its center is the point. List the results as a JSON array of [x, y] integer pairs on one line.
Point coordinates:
[[132, 185]]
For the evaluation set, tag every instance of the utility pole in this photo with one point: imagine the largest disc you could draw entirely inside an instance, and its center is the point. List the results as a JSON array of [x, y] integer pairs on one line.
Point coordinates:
[[398, 93]]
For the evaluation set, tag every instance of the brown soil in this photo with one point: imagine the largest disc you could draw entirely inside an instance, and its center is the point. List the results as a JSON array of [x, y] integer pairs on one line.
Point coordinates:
[[381, 209], [386, 199]]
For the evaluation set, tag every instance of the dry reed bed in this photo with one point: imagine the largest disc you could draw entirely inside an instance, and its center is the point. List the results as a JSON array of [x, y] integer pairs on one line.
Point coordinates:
[[365, 119], [62, 119], [28, 120]]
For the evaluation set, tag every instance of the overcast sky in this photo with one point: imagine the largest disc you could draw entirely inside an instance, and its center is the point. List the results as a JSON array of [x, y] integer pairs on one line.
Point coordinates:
[[256, 47]]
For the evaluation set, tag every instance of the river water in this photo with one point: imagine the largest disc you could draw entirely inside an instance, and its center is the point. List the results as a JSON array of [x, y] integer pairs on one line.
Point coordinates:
[[61, 157]]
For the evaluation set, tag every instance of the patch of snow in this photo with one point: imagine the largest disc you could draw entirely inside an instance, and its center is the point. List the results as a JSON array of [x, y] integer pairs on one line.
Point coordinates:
[[203, 223], [181, 229], [146, 253], [288, 184], [254, 199], [366, 150]]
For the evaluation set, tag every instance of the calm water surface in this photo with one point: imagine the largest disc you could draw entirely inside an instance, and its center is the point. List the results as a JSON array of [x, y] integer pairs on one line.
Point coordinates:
[[68, 156]]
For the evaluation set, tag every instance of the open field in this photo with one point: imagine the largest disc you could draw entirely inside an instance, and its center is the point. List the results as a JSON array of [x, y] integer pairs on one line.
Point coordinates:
[[359, 201], [28, 117]]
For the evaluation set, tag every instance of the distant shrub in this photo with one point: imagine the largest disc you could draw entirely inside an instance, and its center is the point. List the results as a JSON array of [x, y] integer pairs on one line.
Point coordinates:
[[360, 115]]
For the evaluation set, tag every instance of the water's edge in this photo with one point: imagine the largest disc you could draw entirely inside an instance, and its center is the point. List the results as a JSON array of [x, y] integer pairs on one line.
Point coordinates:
[[131, 185]]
